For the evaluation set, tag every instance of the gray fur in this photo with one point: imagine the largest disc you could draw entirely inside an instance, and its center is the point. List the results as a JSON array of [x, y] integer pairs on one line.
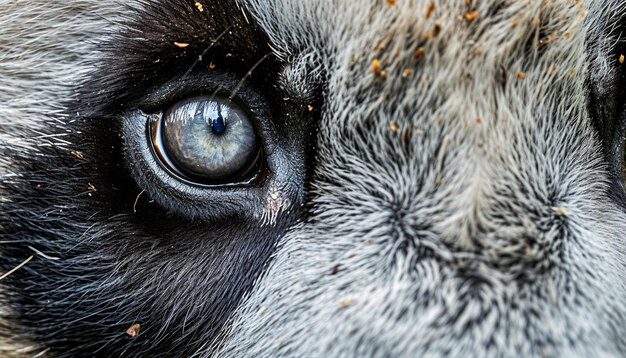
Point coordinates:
[[451, 214], [44, 51], [454, 191]]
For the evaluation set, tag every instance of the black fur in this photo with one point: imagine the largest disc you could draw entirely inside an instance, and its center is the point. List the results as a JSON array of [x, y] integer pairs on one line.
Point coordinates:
[[608, 109], [106, 256], [606, 97]]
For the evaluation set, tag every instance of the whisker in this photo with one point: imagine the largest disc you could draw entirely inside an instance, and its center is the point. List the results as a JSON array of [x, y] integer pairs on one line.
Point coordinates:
[[16, 268], [217, 90], [42, 353], [205, 52], [52, 258], [248, 74], [137, 201]]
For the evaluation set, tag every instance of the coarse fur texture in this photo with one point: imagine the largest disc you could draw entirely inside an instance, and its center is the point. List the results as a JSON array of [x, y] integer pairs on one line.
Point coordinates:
[[441, 178]]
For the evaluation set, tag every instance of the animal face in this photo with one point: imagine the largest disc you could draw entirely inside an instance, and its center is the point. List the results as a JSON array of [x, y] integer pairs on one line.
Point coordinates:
[[312, 178]]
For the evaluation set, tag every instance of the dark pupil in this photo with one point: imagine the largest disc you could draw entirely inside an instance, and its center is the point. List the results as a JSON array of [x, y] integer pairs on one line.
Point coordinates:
[[218, 124]]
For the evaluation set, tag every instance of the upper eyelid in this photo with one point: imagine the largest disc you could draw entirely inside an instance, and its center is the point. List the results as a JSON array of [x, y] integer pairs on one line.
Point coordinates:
[[159, 99], [207, 84]]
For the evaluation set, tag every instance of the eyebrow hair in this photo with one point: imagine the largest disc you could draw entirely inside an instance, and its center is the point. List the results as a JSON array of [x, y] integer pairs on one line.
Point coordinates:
[[158, 41]]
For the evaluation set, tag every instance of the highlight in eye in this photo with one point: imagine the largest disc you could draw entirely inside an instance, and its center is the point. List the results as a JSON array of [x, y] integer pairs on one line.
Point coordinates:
[[207, 141]]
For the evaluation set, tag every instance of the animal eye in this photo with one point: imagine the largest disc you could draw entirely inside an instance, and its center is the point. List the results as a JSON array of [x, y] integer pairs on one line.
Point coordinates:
[[207, 141]]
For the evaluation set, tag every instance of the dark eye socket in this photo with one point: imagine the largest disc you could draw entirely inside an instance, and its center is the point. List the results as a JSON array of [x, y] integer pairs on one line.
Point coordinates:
[[207, 141]]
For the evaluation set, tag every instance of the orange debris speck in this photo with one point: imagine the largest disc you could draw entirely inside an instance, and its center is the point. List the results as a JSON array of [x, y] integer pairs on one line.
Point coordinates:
[[78, 155], [393, 126], [548, 40], [431, 9], [408, 72], [376, 67], [561, 211], [199, 6], [471, 16], [621, 58], [553, 68], [346, 303], [420, 52], [391, 2], [181, 44], [310, 108], [212, 65], [134, 330], [521, 75]]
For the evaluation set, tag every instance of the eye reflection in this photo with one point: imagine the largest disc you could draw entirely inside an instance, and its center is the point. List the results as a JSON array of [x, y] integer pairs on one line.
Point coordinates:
[[207, 140]]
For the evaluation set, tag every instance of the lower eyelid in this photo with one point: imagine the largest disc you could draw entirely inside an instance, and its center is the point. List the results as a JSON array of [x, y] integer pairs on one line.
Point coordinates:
[[177, 196]]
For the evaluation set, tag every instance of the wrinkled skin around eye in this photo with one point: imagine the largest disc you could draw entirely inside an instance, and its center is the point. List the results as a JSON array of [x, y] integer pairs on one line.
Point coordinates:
[[209, 139]]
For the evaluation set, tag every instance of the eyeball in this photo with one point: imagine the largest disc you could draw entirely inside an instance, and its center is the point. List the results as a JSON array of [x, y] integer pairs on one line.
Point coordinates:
[[207, 140]]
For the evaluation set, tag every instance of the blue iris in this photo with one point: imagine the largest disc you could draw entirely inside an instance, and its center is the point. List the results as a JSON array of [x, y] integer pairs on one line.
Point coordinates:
[[209, 139]]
